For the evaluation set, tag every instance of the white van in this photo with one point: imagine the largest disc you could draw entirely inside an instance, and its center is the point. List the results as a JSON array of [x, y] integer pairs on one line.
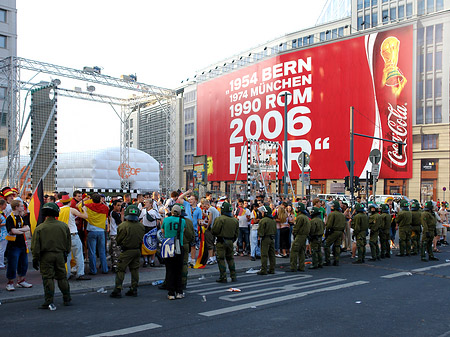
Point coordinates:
[[343, 197], [382, 199]]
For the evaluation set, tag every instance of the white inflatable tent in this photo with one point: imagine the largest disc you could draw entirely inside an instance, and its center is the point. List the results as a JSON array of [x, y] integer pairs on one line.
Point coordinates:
[[99, 169]]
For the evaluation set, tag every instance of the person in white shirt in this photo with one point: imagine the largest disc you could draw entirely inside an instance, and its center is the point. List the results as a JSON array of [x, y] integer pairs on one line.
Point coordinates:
[[149, 217]]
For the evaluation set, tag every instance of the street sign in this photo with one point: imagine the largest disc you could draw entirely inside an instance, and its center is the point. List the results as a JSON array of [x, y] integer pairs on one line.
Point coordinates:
[[375, 170], [444, 189], [305, 178], [347, 162], [303, 159], [375, 156]]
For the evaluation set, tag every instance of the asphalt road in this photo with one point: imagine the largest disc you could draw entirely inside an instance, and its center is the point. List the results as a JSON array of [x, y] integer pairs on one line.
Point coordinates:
[[394, 297]]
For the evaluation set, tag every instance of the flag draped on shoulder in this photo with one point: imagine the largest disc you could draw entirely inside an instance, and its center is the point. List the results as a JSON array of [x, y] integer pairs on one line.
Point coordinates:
[[97, 213], [35, 207]]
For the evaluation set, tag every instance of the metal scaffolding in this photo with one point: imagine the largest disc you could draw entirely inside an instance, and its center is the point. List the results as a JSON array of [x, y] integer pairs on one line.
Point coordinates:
[[145, 94]]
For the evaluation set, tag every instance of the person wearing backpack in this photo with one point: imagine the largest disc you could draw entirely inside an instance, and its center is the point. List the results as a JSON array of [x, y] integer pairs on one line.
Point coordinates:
[[173, 228]]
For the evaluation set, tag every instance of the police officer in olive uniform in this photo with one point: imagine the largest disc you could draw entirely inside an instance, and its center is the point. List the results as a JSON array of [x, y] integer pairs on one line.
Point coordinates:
[[129, 237], [375, 222], [429, 232], [226, 229], [315, 235], [416, 228], [50, 246], [360, 225], [385, 230], [404, 221], [266, 232], [301, 231], [334, 230]]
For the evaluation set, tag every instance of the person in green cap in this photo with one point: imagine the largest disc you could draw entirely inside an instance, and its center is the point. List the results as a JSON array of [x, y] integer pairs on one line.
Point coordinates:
[[316, 232], [385, 230], [266, 232], [415, 227], [428, 220], [129, 237], [226, 229], [404, 222], [301, 231], [334, 230], [375, 223], [360, 225], [50, 246]]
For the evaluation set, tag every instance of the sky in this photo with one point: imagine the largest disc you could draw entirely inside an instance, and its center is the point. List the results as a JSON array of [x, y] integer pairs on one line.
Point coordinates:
[[162, 42]]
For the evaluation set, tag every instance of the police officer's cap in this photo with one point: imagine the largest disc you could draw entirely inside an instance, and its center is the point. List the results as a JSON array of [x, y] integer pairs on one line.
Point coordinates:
[[226, 207], [429, 205], [132, 213], [336, 205], [50, 209], [183, 212], [315, 211]]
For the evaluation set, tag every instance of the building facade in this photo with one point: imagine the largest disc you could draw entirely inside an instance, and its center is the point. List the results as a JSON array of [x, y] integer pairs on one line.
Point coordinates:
[[8, 47]]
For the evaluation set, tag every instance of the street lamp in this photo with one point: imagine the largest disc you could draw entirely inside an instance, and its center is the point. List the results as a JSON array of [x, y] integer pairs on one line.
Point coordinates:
[[285, 150]]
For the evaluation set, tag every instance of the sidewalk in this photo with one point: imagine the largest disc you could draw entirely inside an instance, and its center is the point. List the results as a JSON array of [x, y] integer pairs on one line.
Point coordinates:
[[146, 277]]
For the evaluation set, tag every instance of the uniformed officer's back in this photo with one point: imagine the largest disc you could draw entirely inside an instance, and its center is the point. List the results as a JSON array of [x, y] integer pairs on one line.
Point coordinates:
[[53, 235]]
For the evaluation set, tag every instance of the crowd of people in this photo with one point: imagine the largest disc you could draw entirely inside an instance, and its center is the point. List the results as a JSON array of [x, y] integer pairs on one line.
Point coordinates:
[[182, 231]]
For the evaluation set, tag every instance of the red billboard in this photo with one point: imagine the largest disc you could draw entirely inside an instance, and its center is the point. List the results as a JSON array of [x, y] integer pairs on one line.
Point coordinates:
[[372, 73]]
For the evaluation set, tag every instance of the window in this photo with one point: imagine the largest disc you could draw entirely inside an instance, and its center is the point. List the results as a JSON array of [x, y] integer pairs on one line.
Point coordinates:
[[189, 129], [374, 2], [366, 3], [419, 115], [322, 36], [190, 96], [429, 62], [341, 32], [428, 115], [421, 7], [384, 1], [360, 22], [420, 89], [360, 4], [429, 35], [305, 40], [409, 10], [430, 142], [3, 15], [300, 42], [189, 145], [189, 113], [420, 33], [430, 6], [131, 134], [366, 21], [2, 144], [385, 14], [131, 144], [374, 19], [294, 43], [438, 114], [189, 159], [4, 89], [393, 14], [420, 62], [131, 123], [328, 34], [429, 88], [311, 39], [438, 87], [4, 119], [439, 5], [401, 12], [334, 34], [439, 33], [2, 41], [438, 61]]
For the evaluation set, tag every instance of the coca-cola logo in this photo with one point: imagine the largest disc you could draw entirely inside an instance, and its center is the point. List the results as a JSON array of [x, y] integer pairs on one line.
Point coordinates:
[[398, 126]]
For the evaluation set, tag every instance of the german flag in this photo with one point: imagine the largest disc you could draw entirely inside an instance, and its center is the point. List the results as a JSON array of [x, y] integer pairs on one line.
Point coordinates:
[[35, 206]]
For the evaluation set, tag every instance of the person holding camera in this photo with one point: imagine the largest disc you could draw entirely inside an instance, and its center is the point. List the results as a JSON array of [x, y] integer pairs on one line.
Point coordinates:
[[50, 246]]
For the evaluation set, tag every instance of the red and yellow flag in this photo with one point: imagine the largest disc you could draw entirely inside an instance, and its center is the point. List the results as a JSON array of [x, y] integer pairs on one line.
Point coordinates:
[[35, 206]]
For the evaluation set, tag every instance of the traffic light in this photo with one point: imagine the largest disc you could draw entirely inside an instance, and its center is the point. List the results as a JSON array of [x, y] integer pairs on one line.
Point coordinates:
[[347, 182]]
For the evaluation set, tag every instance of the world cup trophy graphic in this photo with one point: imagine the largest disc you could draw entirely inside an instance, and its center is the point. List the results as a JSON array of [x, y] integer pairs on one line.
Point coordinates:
[[392, 75]]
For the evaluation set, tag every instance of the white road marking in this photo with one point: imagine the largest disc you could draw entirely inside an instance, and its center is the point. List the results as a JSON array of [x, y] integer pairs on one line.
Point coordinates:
[[196, 284], [278, 299], [219, 289], [403, 273], [432, 267], [276, 290], [127, 331]]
